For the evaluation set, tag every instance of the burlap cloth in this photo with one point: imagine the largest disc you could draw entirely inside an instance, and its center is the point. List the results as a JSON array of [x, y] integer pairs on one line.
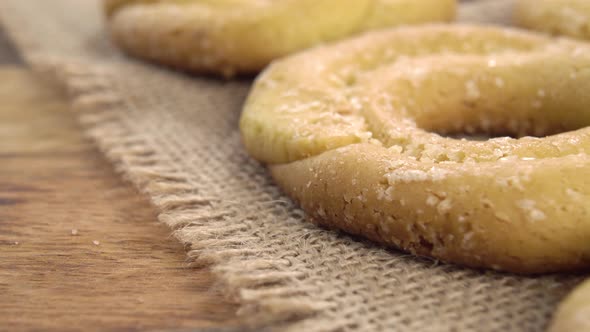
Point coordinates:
[[176, 137]]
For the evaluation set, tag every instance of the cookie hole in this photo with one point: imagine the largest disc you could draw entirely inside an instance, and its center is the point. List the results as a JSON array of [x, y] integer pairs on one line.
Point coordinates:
[[488, 104], [502, 129]]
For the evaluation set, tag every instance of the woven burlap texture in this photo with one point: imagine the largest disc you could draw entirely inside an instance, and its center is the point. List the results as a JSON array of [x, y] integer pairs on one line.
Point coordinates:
[[176, 137]]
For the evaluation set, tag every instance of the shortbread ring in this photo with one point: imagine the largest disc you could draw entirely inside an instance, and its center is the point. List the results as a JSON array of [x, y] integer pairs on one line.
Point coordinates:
[[558, 17], [573, 314], [242, 36], [349, 132]]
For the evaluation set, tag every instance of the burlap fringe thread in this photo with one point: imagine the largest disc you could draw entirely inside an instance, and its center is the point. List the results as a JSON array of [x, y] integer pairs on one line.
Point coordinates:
[[259, 285]]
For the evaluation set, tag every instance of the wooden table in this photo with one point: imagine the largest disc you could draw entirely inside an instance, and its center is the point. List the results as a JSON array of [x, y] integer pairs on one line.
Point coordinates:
[[80, 249]]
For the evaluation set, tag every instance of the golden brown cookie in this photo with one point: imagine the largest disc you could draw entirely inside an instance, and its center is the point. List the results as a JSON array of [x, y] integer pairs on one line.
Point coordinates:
[[356, 132], [243, 36], [574, 313], [558, 17]]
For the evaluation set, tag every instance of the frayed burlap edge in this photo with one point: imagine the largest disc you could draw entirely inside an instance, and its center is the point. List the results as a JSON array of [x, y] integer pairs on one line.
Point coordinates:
[[261, 286]]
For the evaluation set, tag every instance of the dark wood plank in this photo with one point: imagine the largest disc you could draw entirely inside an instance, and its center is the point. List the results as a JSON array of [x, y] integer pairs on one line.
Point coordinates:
[[80, 249]]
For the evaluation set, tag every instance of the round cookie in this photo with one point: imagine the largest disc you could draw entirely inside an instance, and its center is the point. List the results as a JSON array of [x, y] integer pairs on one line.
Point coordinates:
[[574, 312], [242, 36], [558, 17], [358, 133]]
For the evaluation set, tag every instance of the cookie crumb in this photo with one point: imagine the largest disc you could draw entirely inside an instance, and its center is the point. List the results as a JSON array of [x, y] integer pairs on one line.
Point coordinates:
[[472, 90], [96, 243], [529, 208], [74, 231]]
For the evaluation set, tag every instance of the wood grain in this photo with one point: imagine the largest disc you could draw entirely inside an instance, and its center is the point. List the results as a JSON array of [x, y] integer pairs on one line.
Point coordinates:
[[80, 249]]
